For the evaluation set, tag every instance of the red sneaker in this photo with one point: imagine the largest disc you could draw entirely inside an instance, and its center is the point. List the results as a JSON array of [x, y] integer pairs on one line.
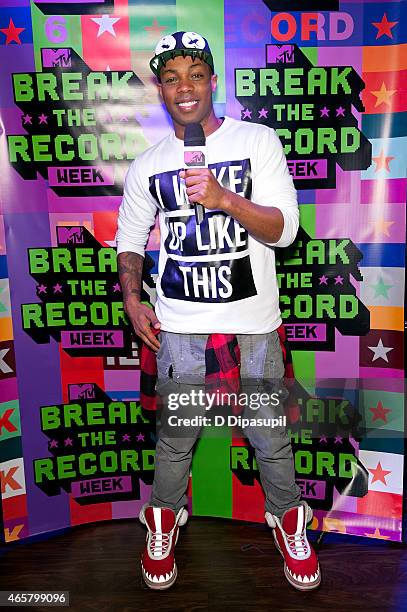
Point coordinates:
[[301, 566], [157, 562]]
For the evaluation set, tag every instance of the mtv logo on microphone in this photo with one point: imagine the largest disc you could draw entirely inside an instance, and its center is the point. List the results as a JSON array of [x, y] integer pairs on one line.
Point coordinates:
[[194, 158]]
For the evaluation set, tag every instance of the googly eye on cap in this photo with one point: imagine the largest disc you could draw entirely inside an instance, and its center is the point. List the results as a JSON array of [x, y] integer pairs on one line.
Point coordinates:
[[180, 43]]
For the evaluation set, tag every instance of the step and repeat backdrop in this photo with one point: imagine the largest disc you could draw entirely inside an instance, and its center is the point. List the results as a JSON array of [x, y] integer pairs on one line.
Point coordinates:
[[77, 104]]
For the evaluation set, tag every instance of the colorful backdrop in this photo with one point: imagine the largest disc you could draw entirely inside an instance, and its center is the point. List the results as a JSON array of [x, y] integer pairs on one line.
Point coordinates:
[[77, 103]]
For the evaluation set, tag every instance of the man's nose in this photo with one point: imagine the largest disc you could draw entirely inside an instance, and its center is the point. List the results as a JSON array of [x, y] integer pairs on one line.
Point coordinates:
[[184, 84]]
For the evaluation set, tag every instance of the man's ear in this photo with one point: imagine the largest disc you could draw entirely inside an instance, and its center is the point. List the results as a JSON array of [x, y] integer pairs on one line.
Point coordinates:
[[214, 82]]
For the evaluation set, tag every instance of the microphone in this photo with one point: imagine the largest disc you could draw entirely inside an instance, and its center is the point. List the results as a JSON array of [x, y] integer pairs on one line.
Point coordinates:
[[195, 157]]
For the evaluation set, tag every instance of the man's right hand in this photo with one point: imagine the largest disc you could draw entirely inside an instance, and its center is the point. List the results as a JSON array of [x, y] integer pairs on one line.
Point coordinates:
[[143, 318]]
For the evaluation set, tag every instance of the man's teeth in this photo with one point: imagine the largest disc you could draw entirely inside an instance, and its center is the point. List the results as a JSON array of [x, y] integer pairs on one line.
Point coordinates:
[[187, 104]]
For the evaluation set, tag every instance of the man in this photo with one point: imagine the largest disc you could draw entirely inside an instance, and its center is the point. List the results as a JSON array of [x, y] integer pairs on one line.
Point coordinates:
[[216, 288]]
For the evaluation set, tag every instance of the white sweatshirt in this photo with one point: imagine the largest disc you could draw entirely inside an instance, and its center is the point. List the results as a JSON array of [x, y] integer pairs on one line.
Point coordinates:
[[212, 277]]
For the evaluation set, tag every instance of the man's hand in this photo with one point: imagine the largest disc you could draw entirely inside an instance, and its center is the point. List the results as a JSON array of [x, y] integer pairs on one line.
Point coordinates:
[[203, 187], [142, 318]]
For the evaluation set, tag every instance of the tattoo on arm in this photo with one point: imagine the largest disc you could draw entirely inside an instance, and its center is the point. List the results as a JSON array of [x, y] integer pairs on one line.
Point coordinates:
[[130, 268]]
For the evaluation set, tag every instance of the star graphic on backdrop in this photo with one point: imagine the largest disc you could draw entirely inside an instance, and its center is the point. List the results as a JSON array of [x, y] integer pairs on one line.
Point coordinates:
[[376, 534], [323, 439], [12, 33], [246, 114], [57, 288], [324, 111], [380, 351], [111, 243], [42, 288], [126, 438], [384, 27], [381, 288], [124, 118], [382, 161], [379, 412], [338, 440], [382, 226], [263, 113], [43, 118], [116, 287], [140, 438], [53, 444], [155, 29], [383, 95], [323, 280], [68, 442], [340, 111], [379, 474], [105, 24], [27, 119], [338, 280]]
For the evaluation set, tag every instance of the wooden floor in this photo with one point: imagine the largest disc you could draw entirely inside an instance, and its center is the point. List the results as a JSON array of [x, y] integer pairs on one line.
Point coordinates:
[[222, 565]]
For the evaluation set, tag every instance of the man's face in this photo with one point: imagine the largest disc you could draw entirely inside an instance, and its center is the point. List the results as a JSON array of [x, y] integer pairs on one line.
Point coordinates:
[[186, 88]]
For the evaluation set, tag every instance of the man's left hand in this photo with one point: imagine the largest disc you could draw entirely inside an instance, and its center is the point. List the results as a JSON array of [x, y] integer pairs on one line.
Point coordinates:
[[203, 187]]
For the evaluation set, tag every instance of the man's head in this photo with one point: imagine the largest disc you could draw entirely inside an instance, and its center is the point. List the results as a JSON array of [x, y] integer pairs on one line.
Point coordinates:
[[183, 44], [183, 64]]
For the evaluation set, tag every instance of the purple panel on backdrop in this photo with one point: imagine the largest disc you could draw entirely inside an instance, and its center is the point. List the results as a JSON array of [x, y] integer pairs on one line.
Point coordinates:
[[58, 204], [21, 526], [123, 380], [344, 503], [342, 192], [239, 58], [341, 56], [343, 362], [395, 385], [38, 366], [363, 524], [360, 223], [16, 190], [8, 389], [131, 509], [22, 60], [380, 373], [383, 190]]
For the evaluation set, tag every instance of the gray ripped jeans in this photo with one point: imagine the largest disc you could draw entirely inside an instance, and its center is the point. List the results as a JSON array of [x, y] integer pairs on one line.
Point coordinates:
[[181, 364]]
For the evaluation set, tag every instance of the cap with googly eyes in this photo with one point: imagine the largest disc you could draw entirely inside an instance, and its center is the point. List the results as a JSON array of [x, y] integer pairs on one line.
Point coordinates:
[[181, 43]]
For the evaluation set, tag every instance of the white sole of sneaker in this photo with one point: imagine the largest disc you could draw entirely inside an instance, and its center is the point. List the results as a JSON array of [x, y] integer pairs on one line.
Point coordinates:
[[300, 586], [160, 586]]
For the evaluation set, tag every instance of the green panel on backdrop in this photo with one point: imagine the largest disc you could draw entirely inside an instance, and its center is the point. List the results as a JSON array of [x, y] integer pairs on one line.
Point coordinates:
[[149, 22], [382, 409], [66, 27], [304, 361], [211, 477], [307, 218], [311, 53], [13, 428], [208, 20]]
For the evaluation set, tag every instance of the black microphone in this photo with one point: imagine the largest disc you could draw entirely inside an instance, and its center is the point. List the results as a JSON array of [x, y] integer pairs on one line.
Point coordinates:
[[195, 156]]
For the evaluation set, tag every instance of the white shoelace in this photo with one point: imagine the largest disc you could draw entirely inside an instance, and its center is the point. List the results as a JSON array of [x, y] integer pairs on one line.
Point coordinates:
[[159, 543], [297, 544]]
